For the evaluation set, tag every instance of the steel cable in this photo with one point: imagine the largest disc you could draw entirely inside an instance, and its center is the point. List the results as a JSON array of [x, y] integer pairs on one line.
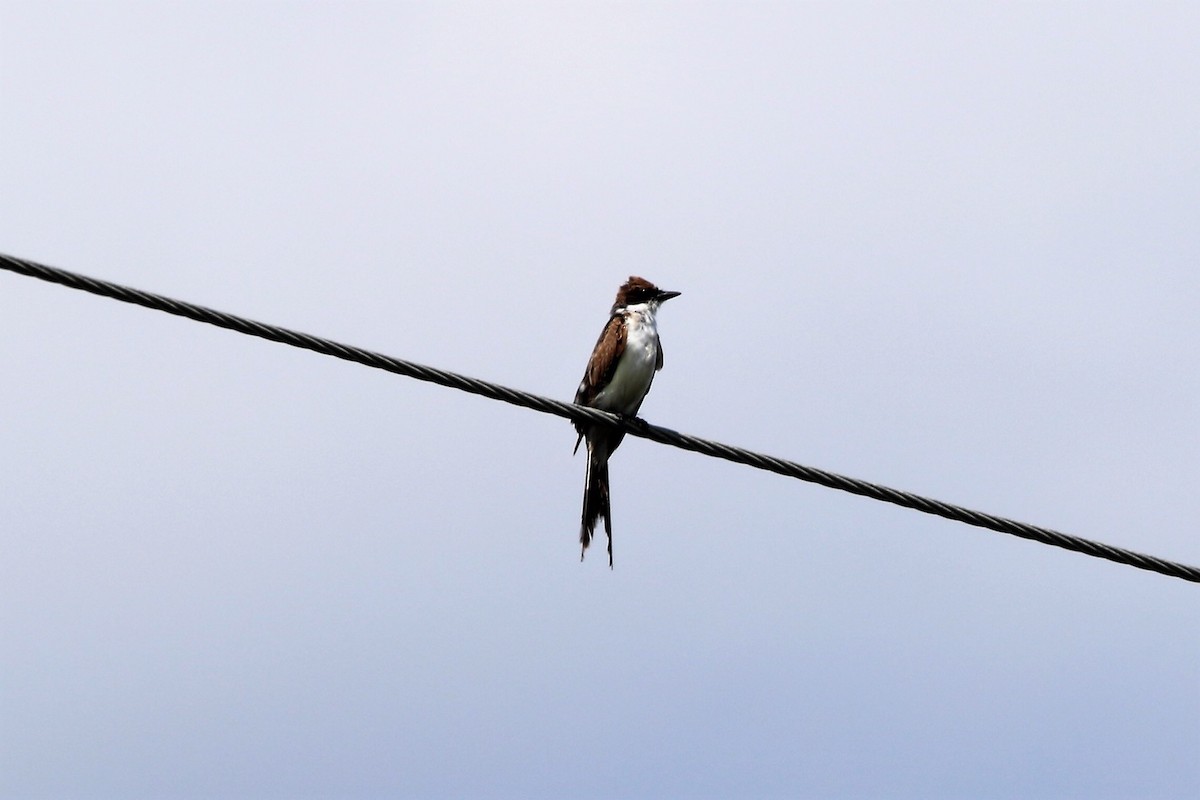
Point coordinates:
[[634, 427]]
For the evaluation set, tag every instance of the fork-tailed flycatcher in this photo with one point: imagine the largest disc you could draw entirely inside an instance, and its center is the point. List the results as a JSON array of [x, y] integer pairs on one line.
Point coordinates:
[[617, 379]]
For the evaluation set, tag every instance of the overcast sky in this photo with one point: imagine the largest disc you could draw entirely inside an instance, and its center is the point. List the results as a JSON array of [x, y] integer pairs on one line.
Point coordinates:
[[949, 247]]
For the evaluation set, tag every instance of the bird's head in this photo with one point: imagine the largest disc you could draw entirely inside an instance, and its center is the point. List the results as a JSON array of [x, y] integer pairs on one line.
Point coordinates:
[[639, 291]]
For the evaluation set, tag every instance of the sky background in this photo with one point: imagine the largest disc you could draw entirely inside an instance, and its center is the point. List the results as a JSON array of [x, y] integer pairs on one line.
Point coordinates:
[[948, 247]]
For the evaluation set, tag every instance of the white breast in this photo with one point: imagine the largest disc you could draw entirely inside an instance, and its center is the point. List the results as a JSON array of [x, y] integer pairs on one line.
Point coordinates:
[[635, 370]]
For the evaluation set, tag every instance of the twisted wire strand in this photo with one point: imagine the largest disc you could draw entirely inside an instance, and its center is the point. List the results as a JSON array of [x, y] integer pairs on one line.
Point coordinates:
[[634, 427]]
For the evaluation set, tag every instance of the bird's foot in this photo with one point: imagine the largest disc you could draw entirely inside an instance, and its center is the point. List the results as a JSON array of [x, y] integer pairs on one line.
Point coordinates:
[[636, 423]]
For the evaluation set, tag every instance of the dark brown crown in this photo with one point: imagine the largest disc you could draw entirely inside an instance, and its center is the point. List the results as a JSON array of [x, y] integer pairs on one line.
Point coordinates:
[[639, 290]]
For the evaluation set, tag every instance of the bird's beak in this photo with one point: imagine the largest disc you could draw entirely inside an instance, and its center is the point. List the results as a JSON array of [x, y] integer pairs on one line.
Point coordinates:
[[665, 296]]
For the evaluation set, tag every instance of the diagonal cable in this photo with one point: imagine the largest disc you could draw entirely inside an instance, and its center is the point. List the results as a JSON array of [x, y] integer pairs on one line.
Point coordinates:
[[634, 427]]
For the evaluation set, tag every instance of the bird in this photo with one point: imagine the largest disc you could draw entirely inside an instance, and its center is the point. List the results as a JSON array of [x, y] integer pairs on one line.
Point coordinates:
[[618, 377]]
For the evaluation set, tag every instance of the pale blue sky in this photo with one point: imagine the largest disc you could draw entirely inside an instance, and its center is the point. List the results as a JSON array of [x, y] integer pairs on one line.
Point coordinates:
[[949, 247]]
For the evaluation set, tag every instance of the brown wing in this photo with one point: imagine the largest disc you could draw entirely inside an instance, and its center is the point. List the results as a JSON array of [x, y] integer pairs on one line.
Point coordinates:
[[603, 362]]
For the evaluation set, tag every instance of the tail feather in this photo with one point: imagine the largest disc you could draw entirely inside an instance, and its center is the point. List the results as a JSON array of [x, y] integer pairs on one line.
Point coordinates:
[[595, 495]]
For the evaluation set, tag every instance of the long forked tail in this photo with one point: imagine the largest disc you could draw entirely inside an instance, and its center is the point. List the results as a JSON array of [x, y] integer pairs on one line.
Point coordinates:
[[595, 495]]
